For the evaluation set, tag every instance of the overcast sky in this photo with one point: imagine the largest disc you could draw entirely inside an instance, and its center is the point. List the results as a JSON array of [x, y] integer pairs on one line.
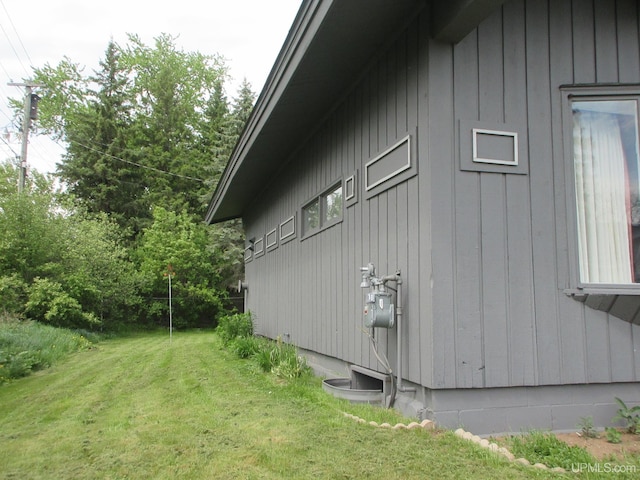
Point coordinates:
[[247, 33]]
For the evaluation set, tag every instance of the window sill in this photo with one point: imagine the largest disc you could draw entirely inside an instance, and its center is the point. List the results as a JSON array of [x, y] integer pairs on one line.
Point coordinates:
[[605, 289], [621, 301], [316, 231]]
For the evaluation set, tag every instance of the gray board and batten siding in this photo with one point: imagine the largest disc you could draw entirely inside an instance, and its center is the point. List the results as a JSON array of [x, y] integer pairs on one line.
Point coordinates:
[[496, 330]]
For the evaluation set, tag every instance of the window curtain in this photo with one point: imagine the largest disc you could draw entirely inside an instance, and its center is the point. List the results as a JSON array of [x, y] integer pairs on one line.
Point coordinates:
[[602, 195]]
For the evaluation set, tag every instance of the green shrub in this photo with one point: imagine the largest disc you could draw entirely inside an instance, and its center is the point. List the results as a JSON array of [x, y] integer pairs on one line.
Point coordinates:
[[13, 293], [27, 346], [19, 364], [233, 326], [282, 359], [49, 303], [246, 347], [613, 435], [540, 447], [587, 428], [631, 416]]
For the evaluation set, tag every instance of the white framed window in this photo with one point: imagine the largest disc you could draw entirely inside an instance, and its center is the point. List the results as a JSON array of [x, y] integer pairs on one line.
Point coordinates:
[[606, 175], [323, 211], [332, 204], [311, 217]]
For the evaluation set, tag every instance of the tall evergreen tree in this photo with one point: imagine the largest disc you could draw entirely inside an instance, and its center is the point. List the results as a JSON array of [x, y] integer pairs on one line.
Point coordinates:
[[228, 238], [216, 137], [99, 168], [242, 107], [150, 131]]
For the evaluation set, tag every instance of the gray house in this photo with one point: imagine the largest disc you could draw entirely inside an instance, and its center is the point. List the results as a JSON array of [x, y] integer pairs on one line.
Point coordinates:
[[482, 155]]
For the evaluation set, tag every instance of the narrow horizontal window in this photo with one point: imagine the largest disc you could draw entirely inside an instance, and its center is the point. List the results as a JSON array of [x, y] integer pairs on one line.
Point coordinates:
[[323, 211]]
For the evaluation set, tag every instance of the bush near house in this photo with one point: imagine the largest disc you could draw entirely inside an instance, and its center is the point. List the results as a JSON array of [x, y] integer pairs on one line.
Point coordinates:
[[234, 326], [279, 358]]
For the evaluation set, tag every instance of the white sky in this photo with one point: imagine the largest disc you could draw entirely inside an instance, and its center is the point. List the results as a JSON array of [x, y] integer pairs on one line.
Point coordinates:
[[247, 33]]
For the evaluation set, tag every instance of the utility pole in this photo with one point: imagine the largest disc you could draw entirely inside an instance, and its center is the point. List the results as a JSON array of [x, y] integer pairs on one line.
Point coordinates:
[[30, 113]]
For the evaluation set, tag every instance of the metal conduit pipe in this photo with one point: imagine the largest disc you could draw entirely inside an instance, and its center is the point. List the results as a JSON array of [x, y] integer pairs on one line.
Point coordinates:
[[397, 278]]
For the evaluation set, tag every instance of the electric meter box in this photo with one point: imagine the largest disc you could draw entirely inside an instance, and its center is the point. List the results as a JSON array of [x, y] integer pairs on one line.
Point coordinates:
[[379, 311]]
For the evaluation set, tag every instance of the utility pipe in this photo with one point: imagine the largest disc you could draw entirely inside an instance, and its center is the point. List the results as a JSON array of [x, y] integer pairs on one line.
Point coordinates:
[[397, 278]]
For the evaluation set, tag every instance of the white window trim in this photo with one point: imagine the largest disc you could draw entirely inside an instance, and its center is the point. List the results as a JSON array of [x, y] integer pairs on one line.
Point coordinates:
[[379, 157], [274, 244], [323, 224], [258, 247], [292, 234], [497, 133], [350, 181]]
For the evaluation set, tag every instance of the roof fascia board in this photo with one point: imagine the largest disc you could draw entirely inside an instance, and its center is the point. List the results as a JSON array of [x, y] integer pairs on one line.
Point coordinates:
[[307, 22]]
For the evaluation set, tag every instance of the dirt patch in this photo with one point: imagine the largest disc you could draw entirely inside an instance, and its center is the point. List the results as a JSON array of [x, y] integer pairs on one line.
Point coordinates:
[[600, 448]]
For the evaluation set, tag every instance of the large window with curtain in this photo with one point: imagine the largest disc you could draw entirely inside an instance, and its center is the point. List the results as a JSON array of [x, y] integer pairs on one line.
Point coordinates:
[[607, 185]]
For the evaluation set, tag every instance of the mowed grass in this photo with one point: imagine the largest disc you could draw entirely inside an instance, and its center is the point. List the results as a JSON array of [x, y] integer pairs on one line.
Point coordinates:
[[143, 408]]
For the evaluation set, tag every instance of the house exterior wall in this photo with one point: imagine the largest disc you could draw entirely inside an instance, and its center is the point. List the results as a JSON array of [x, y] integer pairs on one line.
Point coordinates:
[[485, 256], [320, 275], [500, 311], [324, 310]]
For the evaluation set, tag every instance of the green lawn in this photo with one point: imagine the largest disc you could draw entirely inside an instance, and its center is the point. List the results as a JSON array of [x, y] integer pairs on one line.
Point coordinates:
[[142, 408]]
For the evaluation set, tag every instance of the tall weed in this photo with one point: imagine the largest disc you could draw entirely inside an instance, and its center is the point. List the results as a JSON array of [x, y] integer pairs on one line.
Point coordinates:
[[282, 360], [541, 447], [231, 327], [27, 346]]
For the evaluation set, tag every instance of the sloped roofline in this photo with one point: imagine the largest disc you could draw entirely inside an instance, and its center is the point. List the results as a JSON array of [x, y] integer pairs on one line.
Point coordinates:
[[328, 47]]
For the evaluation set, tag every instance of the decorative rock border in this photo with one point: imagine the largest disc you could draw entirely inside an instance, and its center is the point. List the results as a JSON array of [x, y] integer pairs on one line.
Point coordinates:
[[482, 442], [426, 424]]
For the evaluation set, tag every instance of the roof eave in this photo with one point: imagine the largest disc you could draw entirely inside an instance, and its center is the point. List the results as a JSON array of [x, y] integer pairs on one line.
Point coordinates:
[[321, 56]]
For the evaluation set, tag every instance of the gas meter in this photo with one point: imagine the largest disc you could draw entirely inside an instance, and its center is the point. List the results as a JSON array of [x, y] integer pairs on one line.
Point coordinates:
[[378, 310]]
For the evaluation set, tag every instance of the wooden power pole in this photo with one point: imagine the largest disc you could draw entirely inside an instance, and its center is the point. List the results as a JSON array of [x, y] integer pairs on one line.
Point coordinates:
[[30, 113]]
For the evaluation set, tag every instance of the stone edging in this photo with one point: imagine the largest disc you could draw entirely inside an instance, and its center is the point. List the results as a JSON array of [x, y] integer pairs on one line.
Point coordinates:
[[427, 424], [482, 442]]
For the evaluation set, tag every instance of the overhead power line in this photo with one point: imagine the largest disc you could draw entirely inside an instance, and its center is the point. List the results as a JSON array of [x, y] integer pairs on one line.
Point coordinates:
[[9, 146], [17, 34], [164, 172]]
